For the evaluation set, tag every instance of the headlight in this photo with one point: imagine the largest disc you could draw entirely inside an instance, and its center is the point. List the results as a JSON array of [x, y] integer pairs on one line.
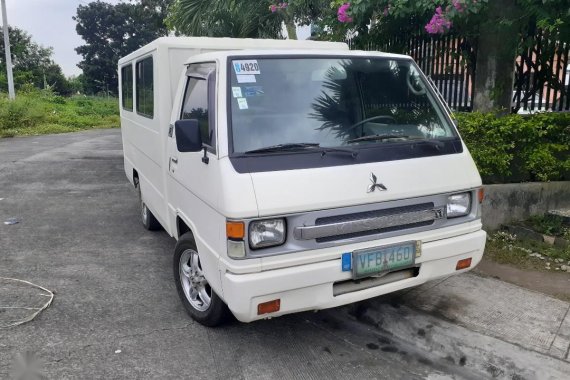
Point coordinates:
[[458, 205], [266, 233]]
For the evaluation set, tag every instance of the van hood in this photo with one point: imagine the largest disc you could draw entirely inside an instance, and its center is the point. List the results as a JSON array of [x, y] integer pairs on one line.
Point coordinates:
[[291, 191]]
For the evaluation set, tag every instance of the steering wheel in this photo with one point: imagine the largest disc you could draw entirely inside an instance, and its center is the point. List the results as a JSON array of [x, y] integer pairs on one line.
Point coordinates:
[[377, 117], [414, 91]]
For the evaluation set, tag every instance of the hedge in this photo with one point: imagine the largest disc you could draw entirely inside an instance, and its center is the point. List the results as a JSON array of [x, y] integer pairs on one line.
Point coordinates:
[[518, 148]]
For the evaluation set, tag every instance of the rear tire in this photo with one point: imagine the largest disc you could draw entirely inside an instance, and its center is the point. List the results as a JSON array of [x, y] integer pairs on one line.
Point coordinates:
[[148, 220], [198, 298]]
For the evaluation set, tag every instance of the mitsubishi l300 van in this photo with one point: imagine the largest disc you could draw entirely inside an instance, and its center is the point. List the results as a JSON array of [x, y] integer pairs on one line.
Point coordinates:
[[295, 175]]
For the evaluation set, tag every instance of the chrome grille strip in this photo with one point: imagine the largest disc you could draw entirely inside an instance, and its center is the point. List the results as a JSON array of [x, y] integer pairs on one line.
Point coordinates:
[[368, 224]]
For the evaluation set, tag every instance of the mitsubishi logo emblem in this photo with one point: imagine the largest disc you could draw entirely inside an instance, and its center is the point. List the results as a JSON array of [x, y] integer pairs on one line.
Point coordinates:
[[375, 185]]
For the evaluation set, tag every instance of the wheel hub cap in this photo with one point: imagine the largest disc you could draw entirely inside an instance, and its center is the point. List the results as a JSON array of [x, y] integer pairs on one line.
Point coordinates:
[[196, 288]]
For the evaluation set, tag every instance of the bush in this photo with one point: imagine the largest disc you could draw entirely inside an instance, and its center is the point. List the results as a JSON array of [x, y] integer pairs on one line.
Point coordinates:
[[36, 112], [517, 148], [20, 113], [547, 224]]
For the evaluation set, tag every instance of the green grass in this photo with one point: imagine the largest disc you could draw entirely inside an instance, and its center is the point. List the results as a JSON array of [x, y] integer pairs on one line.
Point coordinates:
[[42, 112], [502, 248]]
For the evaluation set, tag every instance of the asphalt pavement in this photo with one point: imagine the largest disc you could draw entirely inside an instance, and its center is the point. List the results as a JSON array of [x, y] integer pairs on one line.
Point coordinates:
[[116, 314]]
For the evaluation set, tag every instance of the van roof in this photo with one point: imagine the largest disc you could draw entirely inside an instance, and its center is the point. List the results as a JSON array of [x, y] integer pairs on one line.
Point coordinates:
[[293, 52], [226, 43]]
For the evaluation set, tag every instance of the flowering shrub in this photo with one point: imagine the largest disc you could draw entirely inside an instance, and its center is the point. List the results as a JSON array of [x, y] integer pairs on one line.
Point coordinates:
[[342, 13], [438, 23], [460, 7], [441, 21], [275, 7]]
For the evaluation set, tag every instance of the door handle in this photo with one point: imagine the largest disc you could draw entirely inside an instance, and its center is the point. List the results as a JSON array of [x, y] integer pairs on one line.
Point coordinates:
[[173, 160]]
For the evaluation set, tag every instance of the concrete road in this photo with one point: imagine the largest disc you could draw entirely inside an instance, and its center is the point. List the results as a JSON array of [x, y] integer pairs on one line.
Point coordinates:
[[116, 313]]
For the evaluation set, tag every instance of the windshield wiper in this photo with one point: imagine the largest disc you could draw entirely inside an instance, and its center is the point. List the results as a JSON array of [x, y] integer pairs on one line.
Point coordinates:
[[326, 151], [303, 146], [377, 138], [431, 142], [281, 147]]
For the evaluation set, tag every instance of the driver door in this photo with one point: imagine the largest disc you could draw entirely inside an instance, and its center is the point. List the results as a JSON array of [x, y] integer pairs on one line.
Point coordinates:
[[191, 175]]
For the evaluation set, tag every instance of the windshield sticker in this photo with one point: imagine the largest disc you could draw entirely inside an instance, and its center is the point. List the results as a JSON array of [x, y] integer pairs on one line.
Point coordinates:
[[246, 78], [252, 91], [237, 92], [246, 67], [242, 103]]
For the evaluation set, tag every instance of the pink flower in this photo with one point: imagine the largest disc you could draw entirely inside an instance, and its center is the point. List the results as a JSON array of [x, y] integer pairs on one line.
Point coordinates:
[[458, 6], [438, 23], [275, 7], [342, 15]]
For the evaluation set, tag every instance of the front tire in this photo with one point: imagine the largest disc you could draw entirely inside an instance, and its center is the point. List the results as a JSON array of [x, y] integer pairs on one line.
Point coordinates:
[[198, 298]]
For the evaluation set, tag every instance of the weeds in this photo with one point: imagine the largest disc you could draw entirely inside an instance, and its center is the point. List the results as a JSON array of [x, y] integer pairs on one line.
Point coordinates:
[[37, 112], [549, 225], [504, 248]]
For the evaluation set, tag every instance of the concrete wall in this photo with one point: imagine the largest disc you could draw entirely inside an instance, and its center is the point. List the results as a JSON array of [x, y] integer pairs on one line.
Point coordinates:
[[517, 201]]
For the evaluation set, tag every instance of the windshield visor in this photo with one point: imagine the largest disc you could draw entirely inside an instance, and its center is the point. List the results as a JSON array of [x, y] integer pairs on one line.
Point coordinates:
[[332, 102]]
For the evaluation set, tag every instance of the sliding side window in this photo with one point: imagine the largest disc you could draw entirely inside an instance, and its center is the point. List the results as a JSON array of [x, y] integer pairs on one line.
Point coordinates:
[[127, 87], [145, 88]]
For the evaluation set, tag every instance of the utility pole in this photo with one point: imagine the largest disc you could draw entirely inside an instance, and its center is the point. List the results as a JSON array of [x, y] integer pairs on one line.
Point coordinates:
[[11, 93]]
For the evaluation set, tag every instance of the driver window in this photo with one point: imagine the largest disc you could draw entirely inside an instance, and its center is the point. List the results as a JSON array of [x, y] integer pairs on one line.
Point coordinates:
[[195, 106]]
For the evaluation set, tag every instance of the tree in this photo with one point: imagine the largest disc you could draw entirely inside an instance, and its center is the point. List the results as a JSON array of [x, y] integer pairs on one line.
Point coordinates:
[[33, 64], [242, 19], [77, 83], [300, 12], [53, 77], [113, 31], [225, 18], [497, 25]]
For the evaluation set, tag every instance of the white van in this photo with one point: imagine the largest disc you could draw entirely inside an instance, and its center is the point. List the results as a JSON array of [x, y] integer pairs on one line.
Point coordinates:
[[296, 176]]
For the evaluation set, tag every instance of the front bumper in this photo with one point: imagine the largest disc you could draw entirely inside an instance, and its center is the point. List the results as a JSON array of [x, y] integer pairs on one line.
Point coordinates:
[[310, 286]]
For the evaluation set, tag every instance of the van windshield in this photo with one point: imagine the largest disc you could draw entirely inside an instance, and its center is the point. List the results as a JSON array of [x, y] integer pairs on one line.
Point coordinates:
[[348, 102]]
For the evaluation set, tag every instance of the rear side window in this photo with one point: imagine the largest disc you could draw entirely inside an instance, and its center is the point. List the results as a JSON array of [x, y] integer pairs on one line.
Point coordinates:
[[127, 87], [145, 88], [196, 105]]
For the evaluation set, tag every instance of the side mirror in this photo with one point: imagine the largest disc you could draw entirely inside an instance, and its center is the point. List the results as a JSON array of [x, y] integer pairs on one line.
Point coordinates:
[[188, 136]]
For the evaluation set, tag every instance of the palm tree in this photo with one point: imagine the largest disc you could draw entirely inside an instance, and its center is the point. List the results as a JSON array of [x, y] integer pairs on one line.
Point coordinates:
[[225, 18]]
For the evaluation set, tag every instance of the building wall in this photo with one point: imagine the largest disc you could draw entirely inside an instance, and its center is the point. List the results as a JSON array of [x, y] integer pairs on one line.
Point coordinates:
[[507, 203]]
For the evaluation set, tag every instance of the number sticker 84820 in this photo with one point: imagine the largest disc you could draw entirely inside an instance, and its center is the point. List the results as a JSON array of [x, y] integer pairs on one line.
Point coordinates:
[[246, 67]]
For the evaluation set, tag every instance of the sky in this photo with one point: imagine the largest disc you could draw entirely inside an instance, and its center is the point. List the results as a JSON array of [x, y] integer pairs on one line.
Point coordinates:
[[50, 23]]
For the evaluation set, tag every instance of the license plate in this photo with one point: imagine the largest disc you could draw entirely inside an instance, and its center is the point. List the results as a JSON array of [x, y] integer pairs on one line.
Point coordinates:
[[372, 261]]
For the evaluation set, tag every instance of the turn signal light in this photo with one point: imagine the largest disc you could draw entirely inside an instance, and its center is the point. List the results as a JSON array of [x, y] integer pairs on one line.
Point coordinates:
[[235, 230], [481, 194], [269, 307], [463, 264]]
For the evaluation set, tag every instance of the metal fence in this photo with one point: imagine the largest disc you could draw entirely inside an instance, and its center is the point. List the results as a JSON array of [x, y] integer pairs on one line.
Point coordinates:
[[542, 70], [543, 75]]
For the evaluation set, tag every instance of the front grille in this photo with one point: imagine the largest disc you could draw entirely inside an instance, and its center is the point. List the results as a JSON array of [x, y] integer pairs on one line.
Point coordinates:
[[366, 223], [373, 213], [373, 232]]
